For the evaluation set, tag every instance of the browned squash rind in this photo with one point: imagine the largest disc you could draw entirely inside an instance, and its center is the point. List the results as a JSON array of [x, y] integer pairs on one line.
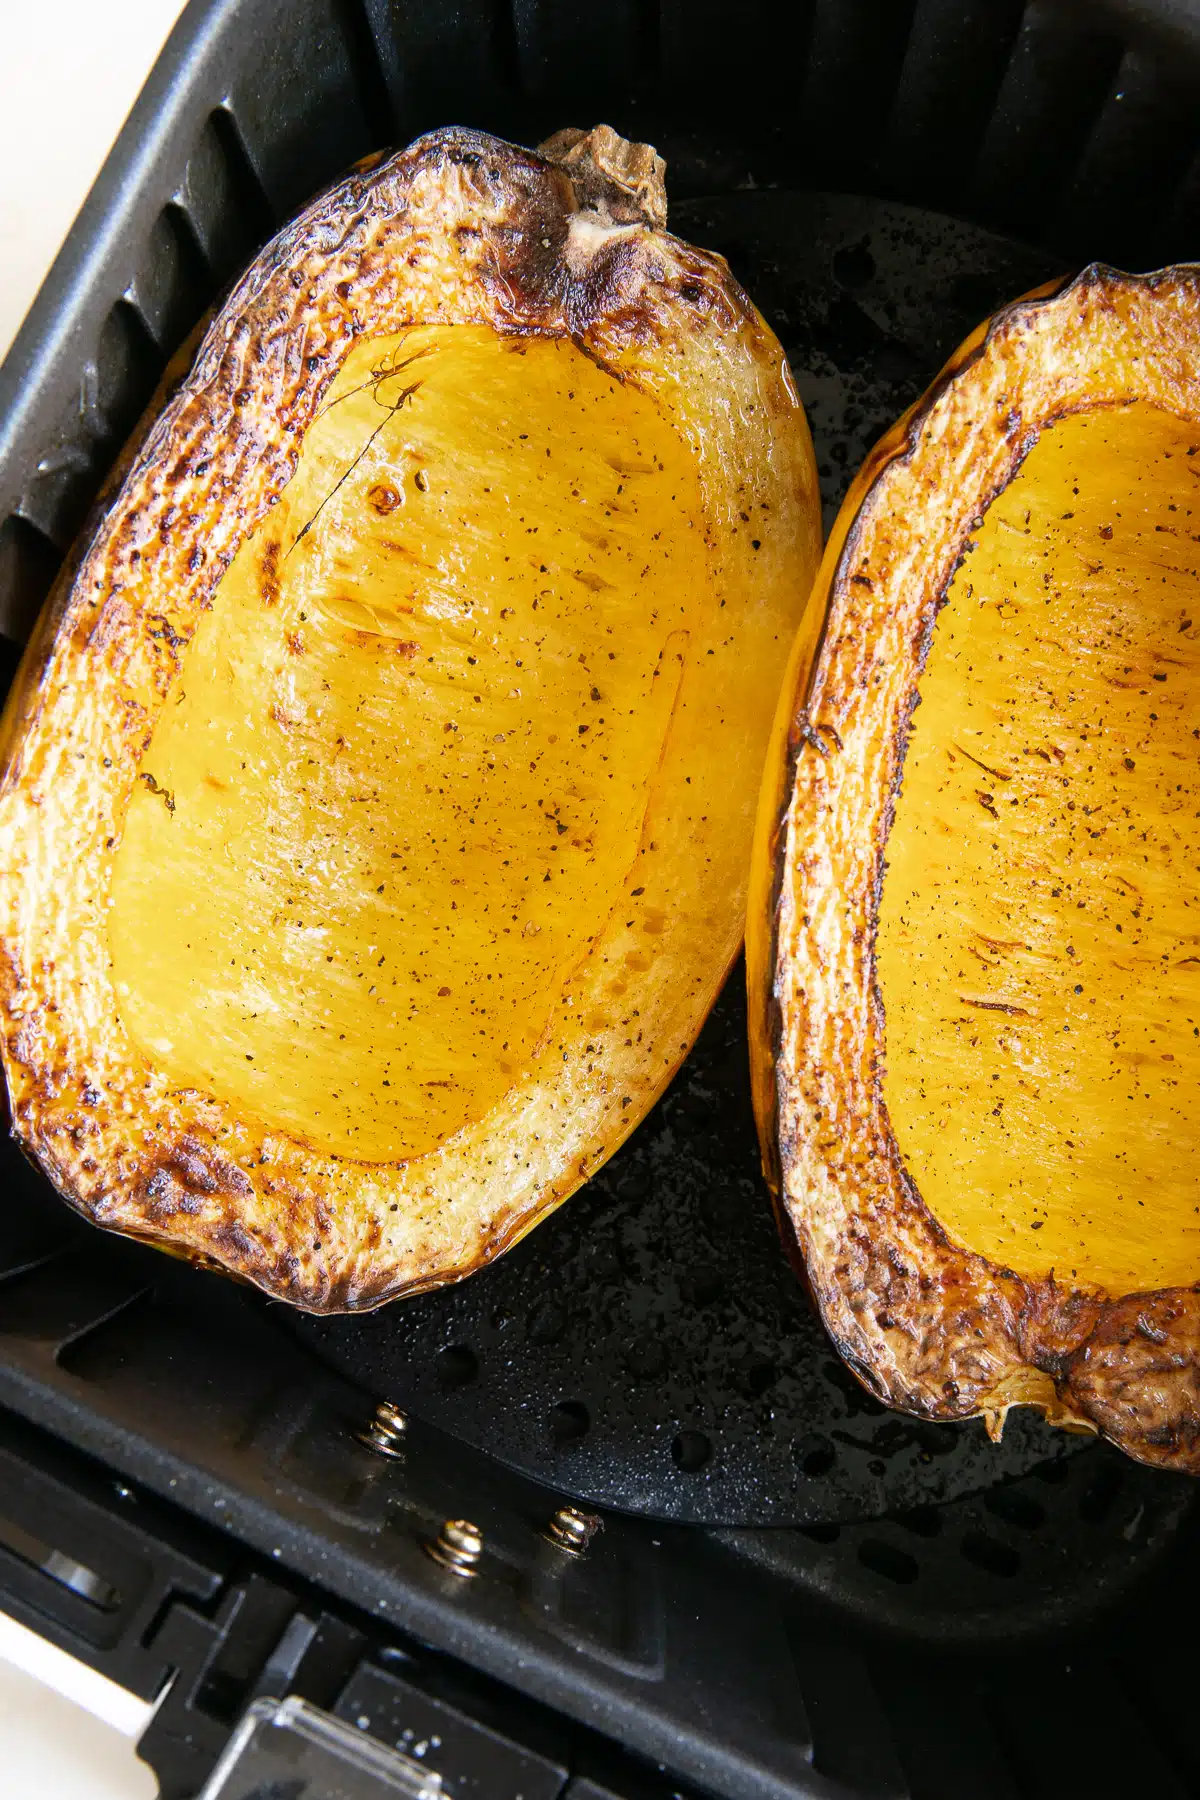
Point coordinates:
[[929, 1327], [457, 229]]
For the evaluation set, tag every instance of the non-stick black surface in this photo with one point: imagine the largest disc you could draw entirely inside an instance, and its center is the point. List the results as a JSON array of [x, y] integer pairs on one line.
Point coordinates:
[[649, 1347]]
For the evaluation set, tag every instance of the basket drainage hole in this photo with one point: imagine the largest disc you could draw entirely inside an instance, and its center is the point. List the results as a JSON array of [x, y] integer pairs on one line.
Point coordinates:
[[1100, 1497], [569, 1421], [457, 1364], [924, 1521], [889, 1561], [1015, 1508], [986, 1553], [822, 1532], [853, 265], [815, 1454], [761, 1377], [690, 1451]]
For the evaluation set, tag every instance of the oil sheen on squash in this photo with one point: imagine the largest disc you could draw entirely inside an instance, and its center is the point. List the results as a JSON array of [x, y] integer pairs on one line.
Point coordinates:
[[403, 779], [1039, 942]]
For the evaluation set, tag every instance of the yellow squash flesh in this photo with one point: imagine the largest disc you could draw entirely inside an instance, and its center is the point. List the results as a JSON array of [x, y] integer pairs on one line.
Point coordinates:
[[373, 837], [411, 791], [1038, 955], [974, 930]]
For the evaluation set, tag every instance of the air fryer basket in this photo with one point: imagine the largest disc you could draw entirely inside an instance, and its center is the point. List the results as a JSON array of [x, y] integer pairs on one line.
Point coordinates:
[[880, 173]]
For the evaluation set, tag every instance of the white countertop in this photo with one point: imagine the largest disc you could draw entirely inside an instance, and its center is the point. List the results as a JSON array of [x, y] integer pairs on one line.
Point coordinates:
[[69, 72], [66, 1733]]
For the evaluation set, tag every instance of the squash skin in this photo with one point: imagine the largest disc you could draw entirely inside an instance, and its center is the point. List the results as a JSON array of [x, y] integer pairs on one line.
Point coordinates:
[[929, 1327], [458, 228]]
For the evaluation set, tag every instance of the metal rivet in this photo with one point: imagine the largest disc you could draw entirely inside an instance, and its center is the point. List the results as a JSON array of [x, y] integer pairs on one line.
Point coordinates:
[[385, 1433], [457, 1547], [572, 1530]]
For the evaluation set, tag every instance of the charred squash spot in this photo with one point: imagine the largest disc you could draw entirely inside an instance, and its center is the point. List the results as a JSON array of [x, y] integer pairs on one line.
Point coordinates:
[[154, 786], [269, 571]]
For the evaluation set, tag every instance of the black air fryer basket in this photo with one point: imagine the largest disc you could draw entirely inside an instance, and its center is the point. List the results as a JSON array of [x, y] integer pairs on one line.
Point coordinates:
[[793, 1592]]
